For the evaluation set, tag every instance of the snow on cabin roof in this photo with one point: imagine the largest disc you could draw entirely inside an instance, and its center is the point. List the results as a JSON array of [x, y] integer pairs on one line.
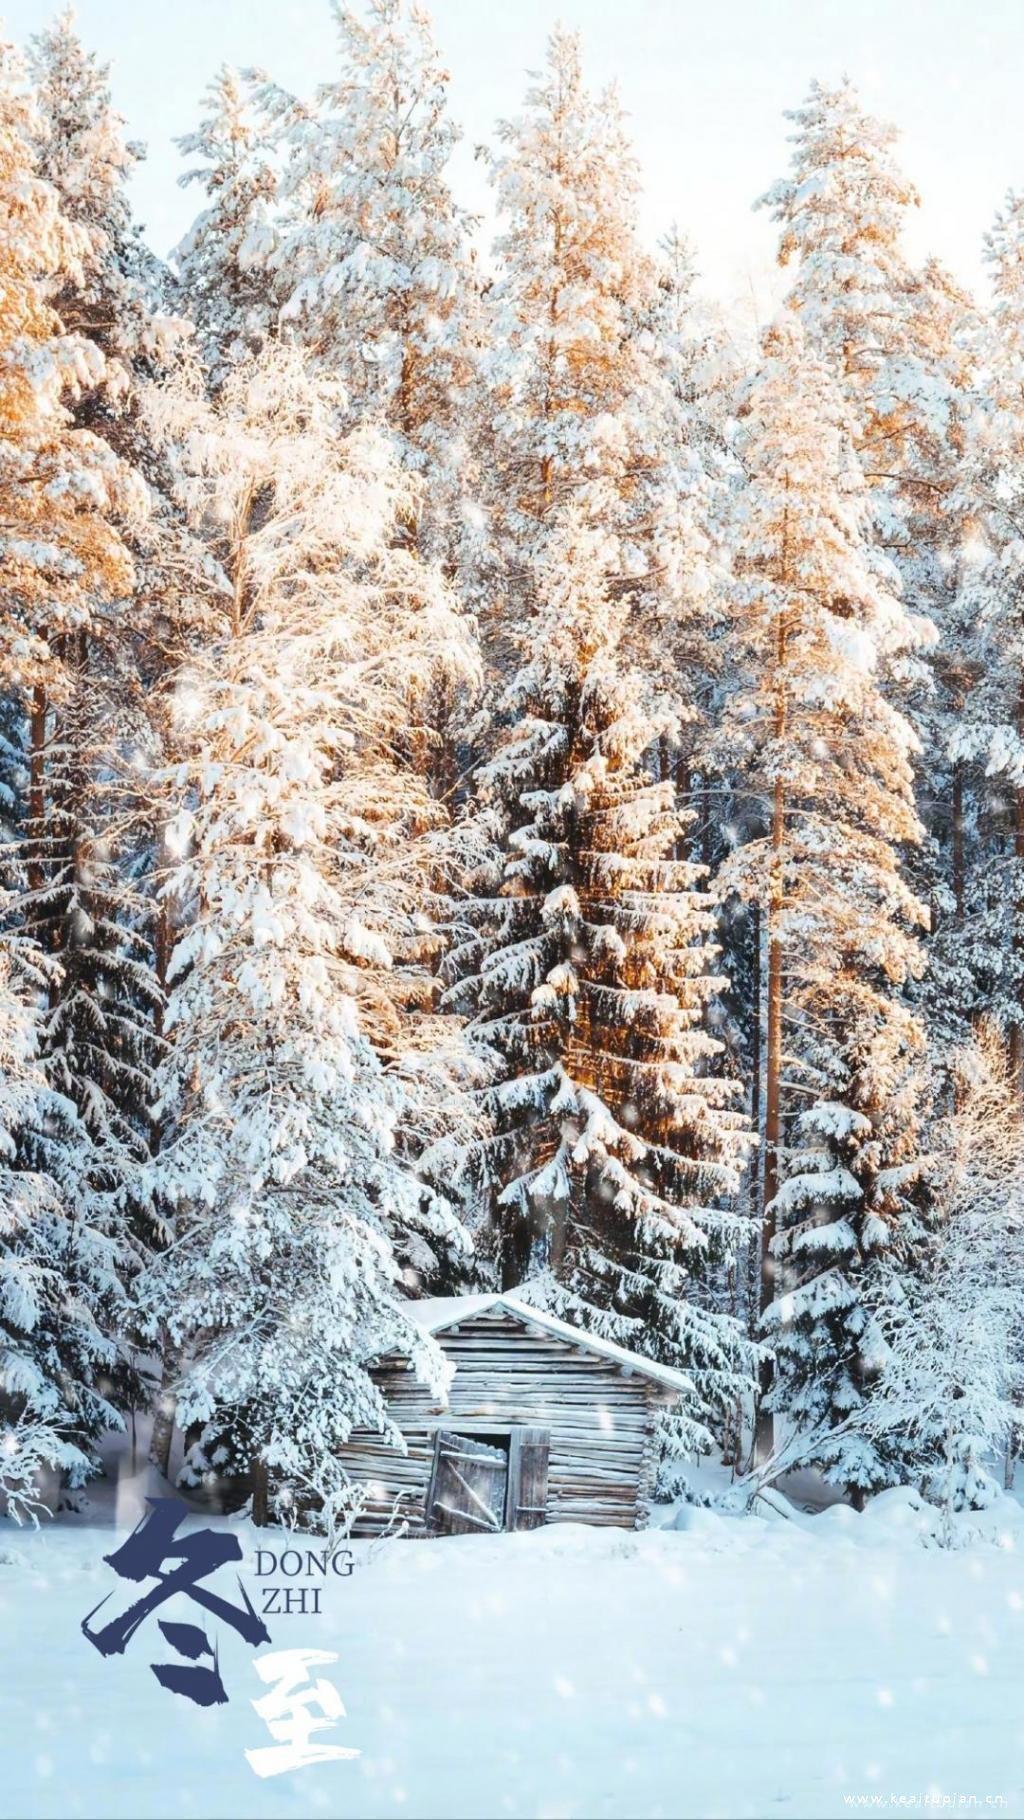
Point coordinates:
[[435, 1314]]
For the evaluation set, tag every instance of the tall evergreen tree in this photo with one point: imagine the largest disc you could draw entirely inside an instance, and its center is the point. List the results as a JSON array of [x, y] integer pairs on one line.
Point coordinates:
[[61, 1275], [617, 1147], [950, 1398], [590, 971], [809, 724], [842, 212], [222, 279], [372, 265], [303, 849], [897, 342], [86, 828], [115, 295], [63, 1234], [988, 736], [565, 370]]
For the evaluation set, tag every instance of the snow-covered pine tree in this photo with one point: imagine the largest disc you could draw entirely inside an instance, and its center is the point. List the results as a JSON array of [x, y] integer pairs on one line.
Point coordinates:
[[63, 1236], [222, 278], [843, 211], [897, 341], [61, 1292], [988, 735], [115, 295], [938, 574], [86, 830], [953, 1334], [371, 272], [568, 378], [617, 1145], [596, 372], [372, 264], [681, 476], [304, 862], [681, 485], [809, 727], [591, 915]]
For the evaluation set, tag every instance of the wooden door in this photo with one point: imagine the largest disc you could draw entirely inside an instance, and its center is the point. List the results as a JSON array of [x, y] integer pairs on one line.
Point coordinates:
[[526, 1502], [468, 1486]]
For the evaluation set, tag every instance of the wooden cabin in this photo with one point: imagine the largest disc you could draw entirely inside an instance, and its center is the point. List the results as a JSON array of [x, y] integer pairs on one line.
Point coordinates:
[[542, 1424]]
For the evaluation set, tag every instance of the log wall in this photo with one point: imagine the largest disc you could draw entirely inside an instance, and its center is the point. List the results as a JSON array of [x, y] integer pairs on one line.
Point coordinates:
[[601, 1420]]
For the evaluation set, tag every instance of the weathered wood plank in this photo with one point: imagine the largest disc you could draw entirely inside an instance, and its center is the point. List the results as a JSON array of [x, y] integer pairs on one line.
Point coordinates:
[[527, 1501]]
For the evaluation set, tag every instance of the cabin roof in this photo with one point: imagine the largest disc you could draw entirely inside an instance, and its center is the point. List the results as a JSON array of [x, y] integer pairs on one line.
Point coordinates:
[[436, 1314]]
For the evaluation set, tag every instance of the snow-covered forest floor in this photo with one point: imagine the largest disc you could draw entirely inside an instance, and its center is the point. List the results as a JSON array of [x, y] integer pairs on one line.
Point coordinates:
[[733, 1666]]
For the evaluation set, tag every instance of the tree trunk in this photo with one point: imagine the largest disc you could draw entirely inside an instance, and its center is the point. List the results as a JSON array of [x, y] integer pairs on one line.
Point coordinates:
[[162, 945], [765, 1428], [755, 1045], [752, 1270], [37, 787], [707, 825], [516, 1237], [957, 832], [770, 1173], [684, 791], [163, 1415], [560, 1216], [1017, 1031], [665, 765], [260, 1493]]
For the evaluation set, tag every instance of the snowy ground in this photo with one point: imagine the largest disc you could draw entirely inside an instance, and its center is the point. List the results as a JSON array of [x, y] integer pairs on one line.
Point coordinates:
[[735, 1667]]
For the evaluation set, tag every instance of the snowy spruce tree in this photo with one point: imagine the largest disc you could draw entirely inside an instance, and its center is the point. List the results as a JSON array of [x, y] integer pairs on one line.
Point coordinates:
[[681, 477], [891, 335], [568, 377], [939, 573], [303, 850], [617, 1145], [954, 1338], [883, 331], [591, 967], [220, 265], [897, 341], [842, 212], [63, 1232], [987, 738], [86, 832], [367, 267], [595, 375], [61, 1275], [809, 726], [114, 296], [371, 263]]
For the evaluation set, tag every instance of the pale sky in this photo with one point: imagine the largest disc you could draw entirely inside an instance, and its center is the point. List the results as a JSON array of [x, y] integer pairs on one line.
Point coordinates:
[[705, 83]]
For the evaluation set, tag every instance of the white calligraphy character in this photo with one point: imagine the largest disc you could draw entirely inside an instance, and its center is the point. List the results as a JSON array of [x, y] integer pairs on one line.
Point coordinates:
[[294, 1709]]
